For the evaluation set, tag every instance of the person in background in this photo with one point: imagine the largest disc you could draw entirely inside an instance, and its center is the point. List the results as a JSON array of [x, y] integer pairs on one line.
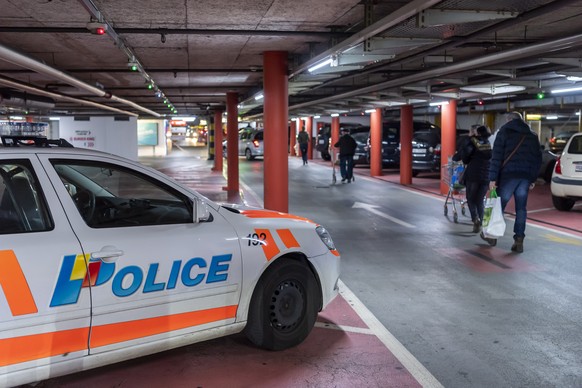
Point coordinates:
[[476, 155], [515, 163], [347, 148], [303, 141]]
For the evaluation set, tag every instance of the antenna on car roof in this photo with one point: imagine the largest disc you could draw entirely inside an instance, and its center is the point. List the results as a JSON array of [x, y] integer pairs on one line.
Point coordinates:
[[36, 141]]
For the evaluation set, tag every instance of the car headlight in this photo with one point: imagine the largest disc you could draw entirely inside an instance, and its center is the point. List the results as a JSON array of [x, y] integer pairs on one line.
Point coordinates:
[[325, 237]]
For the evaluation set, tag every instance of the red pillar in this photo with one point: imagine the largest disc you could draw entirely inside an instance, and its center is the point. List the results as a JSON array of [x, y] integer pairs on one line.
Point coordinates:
[[292, 137], [376, 142], [276, 110], [232, 142], [448, 136], [406, 130], [217, 141], [335, 128], [309, 130]]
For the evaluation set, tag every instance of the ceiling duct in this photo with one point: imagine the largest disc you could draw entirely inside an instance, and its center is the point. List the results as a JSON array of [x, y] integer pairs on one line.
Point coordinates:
[[24, 100]]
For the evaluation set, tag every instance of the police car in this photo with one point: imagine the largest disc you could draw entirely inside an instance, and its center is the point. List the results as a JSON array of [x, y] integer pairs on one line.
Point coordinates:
[[103, 259]]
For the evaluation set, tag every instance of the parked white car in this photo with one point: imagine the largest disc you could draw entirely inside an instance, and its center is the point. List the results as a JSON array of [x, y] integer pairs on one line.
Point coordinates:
[[104, 259], [566, 182], [250, 143]]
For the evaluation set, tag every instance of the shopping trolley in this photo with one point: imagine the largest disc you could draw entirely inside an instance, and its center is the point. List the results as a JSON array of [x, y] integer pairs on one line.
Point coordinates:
[[452, 175]]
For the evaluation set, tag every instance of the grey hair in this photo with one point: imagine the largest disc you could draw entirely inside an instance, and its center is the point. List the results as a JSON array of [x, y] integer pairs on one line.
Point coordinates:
[[513, 115]]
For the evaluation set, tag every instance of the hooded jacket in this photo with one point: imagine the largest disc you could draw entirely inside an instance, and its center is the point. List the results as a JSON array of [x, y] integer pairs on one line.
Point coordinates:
[[525, 162], [476, 154]]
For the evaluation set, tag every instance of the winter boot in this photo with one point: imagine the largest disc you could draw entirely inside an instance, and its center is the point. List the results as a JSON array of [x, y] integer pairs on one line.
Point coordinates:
[[476, 226], [517, 245], [490, 241]]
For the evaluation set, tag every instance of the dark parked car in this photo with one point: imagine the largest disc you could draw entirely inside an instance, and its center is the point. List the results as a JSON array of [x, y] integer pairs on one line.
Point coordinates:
[[324, 136], [361, 138], [558, 142], [391, 140], [426, 149]]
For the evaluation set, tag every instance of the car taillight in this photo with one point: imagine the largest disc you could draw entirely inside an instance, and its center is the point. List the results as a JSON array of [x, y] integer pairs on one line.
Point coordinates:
[[558, 168], [437, 150], [256, 143], [553, 140]]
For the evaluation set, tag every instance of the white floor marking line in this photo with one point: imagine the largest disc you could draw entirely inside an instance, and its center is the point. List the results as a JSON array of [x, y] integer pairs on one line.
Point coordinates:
[[414, 367], [256, 197], [372, 209], [348, 329]]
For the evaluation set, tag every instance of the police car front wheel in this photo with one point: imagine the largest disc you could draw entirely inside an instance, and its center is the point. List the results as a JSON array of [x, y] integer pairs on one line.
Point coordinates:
[[284, 306]]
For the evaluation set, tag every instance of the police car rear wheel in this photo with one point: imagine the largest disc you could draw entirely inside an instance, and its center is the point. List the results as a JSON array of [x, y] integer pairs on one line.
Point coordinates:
[[283, 307]]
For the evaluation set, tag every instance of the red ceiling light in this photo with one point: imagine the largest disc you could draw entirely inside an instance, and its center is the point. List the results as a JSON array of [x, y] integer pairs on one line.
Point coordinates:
[[97, 28]]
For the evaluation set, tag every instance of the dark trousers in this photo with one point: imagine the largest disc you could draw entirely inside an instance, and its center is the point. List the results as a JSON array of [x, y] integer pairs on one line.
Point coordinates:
[[303, 149], [476, 192], [347, 166]]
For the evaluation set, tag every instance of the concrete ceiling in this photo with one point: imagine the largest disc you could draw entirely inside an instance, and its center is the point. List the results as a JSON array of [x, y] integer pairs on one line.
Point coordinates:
[[384, 53]]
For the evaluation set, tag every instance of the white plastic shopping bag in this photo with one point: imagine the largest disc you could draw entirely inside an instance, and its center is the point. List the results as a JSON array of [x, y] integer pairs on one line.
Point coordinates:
[[493, 222]]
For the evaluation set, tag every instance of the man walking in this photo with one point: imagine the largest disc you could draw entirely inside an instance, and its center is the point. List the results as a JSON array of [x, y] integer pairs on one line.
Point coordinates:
[[347, 146], [514, 168], [303, 141]]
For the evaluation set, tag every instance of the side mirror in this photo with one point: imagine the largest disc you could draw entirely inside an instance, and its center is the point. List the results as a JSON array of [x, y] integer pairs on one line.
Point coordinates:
[[200, 211]]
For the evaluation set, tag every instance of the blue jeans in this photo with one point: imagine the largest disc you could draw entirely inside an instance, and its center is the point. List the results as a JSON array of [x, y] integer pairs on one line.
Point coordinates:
[[519, 189], [347, 166], [303, 148]]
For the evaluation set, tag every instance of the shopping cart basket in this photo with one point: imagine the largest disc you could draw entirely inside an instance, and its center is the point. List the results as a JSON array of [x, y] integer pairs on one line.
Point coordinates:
[[452, 175]]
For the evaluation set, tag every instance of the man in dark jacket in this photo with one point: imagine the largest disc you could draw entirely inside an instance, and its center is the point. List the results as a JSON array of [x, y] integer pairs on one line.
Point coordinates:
[[347, 146], [516, 161]]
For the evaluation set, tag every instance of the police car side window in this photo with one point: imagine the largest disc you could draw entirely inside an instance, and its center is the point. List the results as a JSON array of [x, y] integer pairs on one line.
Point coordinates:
[[22, 205], [109, 196]]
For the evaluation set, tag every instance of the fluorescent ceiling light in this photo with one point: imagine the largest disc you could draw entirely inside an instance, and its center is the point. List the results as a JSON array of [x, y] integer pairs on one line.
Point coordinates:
[[16, 118], [494, 88], [54, 118], [259, 97], [370, 110], [573, 78], [551, 117], [316, 117], [576, 89], [319, 65], [334, 115], [439, 103], [187, 119]]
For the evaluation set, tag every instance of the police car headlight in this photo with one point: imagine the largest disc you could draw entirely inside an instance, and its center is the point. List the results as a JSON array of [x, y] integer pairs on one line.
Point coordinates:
[[325, 237]]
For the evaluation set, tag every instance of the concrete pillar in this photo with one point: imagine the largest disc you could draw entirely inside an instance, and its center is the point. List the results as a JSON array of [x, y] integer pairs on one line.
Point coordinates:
[[406, 132], [292, 137], [276, 111], [376, 142], [335, 127], [217, 140], [448, 136], [232, 143], [309, 130]]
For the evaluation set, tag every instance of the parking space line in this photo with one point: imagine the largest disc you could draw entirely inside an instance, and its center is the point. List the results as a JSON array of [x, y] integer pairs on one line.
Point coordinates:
[[414, 367], [347, 329]]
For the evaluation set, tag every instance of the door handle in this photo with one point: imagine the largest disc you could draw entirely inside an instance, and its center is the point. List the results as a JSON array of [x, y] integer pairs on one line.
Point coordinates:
[[107, 254]]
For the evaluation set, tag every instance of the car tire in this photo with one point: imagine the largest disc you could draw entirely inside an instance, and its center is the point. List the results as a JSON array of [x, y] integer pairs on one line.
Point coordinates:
[[249, 154], [284, 306], [415, 173], [325, 156], [563, 204]]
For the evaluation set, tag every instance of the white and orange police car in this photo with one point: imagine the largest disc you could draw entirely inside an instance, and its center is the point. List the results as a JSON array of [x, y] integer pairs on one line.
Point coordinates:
[[103, 259]]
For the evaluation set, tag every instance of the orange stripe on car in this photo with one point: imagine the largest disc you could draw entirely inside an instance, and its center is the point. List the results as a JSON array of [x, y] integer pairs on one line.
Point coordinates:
[[125, 331], [269, 247], [33, 347], [272, 214], [288, 238], [37, 346], [14, 284]]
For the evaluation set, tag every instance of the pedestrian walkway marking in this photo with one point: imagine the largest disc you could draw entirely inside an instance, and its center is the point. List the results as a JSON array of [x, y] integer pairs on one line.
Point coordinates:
[[414, 367], [372, 209]]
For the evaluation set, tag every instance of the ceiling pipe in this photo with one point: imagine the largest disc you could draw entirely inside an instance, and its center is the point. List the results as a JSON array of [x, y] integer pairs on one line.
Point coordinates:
[[509, 55], [398, 16], [16, 58], [58, 96], [179, 31]]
